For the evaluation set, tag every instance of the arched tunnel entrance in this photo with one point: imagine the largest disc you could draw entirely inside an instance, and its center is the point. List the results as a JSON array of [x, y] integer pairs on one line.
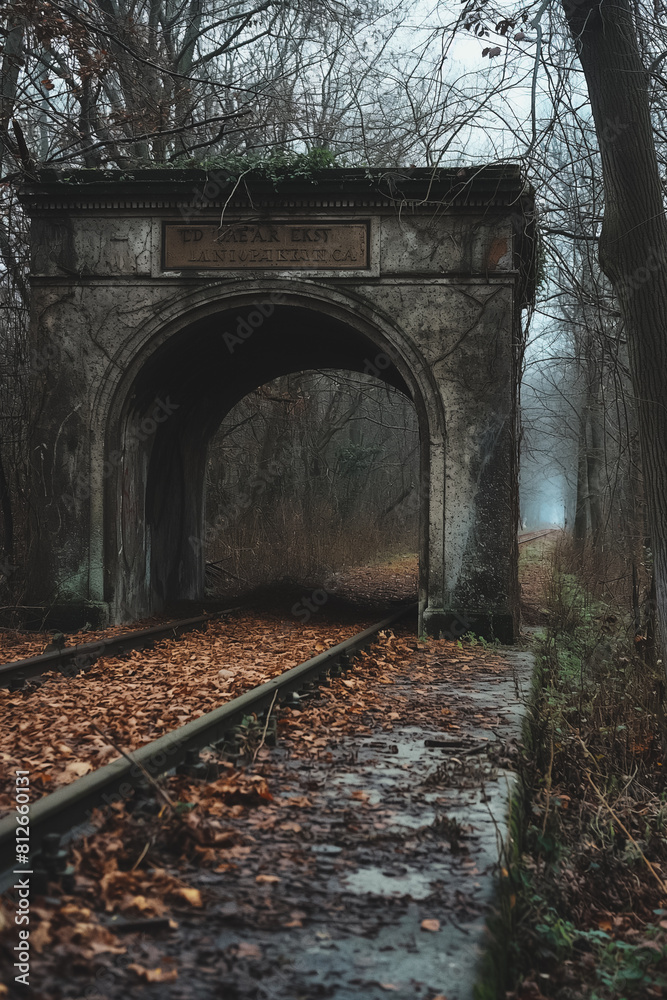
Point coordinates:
[[175, 404], [156, 326]]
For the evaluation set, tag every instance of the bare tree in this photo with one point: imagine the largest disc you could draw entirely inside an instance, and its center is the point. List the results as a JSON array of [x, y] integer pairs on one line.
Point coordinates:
[[312, 472], [633, 241]]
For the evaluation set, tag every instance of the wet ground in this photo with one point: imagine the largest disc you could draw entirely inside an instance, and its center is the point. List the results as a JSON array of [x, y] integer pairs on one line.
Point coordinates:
[[356, 859]]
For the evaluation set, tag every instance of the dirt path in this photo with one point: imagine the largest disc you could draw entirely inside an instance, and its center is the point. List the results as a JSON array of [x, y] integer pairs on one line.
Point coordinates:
[[534, 569]]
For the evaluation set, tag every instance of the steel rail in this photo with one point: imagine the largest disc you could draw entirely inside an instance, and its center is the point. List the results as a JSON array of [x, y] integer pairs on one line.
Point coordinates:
[[85, 654], [71, 805], [530, 537]]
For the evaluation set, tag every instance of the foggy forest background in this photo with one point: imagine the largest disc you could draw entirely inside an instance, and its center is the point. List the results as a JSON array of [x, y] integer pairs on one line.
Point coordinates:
[[320, 469]]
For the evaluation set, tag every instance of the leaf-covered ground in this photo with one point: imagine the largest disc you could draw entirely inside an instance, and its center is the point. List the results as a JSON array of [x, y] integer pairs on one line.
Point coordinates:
[[48, 729], [16, 644], [388, 582], [244, 887], [67, 726]]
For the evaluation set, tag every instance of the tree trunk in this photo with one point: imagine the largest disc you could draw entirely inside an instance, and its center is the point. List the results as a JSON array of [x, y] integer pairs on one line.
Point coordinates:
[[7, 547], [633, 244], [594, 456], [9, 75], [580, 530]]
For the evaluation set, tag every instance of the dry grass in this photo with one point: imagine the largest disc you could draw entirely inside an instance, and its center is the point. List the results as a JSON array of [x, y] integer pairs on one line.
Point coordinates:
[[263, 547], [592, 882]]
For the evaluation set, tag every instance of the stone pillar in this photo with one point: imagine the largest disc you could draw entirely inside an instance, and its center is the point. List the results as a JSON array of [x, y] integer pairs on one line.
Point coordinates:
[[61, 459], [477, 382]]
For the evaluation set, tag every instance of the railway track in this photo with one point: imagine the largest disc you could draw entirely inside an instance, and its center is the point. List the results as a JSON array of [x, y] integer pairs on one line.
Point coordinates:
[[69, 807], [530, 536], [72, 659]]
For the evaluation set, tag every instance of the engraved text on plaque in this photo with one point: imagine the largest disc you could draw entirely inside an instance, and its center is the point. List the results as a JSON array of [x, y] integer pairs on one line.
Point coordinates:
[[281, 245]]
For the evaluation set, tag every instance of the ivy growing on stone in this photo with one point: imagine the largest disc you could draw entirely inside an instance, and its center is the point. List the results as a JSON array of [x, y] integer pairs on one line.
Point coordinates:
[[278, 166]]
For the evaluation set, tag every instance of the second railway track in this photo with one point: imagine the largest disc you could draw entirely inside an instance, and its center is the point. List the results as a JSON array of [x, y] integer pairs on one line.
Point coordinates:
[[531, 536], [71, 659]]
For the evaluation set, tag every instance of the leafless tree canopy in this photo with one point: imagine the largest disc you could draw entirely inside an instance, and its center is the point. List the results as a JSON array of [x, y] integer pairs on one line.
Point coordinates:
[[123, 84]]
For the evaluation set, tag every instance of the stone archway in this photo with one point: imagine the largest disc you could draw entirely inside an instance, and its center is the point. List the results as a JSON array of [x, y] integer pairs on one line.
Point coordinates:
[[132, 285], [189, 368]]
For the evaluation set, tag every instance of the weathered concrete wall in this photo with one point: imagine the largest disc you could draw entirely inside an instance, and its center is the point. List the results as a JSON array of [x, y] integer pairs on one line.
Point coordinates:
[[141, 373]]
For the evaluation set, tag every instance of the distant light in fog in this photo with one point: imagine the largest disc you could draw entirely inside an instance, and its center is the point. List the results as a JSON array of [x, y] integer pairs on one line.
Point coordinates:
[[552, 513]]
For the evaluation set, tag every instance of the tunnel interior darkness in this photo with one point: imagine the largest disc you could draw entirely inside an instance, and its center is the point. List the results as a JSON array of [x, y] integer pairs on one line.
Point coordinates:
[[199, 374]]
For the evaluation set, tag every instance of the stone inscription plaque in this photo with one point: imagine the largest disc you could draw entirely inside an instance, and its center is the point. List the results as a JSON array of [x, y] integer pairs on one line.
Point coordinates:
[[281, 245]]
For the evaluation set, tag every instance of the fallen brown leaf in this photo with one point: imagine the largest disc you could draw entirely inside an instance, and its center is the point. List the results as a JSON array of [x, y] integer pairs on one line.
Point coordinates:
[[192, 896], [291, 827], [158, 975], [247, 950], [41, 936]]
